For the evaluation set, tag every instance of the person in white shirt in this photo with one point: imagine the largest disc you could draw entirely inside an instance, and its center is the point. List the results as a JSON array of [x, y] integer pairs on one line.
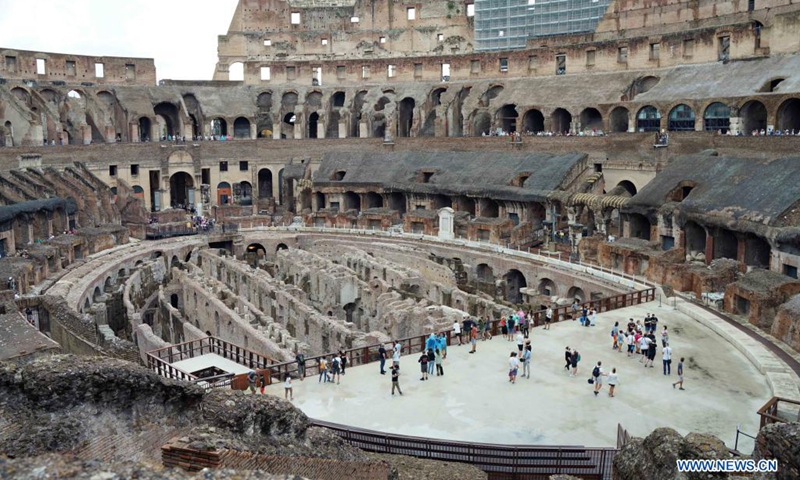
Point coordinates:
[[396, 354], [287, 387], [593, 318], [630, 341], [513, 367], [613, 380], [457, 330], [644, 346], [520, 338], [667, 359], [548, 317]]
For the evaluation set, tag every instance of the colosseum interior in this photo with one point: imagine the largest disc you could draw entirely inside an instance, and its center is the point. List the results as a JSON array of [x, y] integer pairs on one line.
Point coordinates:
[[359, 174]]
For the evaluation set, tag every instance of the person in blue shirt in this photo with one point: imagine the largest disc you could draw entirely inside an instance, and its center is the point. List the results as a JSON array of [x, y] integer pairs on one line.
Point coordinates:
[[441, 344], [526, 361], [430, 344]]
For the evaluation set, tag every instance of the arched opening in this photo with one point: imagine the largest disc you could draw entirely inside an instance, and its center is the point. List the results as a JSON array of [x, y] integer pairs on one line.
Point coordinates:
[[338, 99], [561, 121], [219, 127], [356, 117], [374, 200], [648, 119], [681, 119], [485, 273], [643, 84], [627, 187], [281, 246], [245, 193], [108, 286], [576, 293], [264, 124], [224, 193], [466, 204], [181, 188], [319, 199], [489, 208], [379, 126], [22, 95], [507, 118], [144, 129], [74, 94], [397, 202], [49, 95], [482, 124], [726, 245], [639, 226], [547, 288], [515, 281], [436, 96], [619, 120], [195, 113], [257, 249], [172, 123], [695, 239], [236, 72], [313, 125], [717, 118], [679, 193], [241, 128], [754, 117], [442, 201], [287, 130], [757, 252], [591, 119], [98, 295], [405, 117], [265, 183], [789, 115], [352, 201], [490, 94], [533, 121]]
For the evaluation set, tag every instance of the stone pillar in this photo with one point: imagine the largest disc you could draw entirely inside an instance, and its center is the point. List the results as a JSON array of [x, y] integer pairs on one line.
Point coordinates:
[[320, 129], [299, 123], [276, 131], [363, 130], [342, 129], [253, 130], [709, 248], [86, 134], [111, 135], [100, 312], [446, 224], [736, 125], [155, 135], [134, 133]]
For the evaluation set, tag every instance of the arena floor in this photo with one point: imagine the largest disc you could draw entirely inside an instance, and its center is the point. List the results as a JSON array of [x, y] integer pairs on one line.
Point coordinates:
[[474, 401]]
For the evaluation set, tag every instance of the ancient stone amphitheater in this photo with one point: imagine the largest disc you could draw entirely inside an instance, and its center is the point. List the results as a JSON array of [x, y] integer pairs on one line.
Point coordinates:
[[359, 174]]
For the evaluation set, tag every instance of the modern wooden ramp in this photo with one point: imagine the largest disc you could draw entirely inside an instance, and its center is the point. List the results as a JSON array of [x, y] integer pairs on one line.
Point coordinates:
[[501, 462]]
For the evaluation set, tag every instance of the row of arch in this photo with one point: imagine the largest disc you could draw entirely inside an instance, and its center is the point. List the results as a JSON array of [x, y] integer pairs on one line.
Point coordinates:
[[515, 281]]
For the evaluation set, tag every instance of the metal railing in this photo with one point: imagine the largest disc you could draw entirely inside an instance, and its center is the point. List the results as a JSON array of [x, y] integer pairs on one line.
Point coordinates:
[[623, 437], [773, 412], [508, 462]]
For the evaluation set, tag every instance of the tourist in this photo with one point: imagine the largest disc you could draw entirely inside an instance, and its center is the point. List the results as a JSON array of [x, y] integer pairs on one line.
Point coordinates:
[[666, 353], [263, 380], [487, 329], [653, 324], [457, 331], [644, 348], [548, 318], [441, 344], [574, 360], [396, 354], [526, 361], [423, 365], [473, 338], [680, 375], [613, 380], [585, 316], [651, 354], [567, 358], [301, 365], [343, 358], [431, 361], [336, 368], [382, 358], [251, 381], [512, 326], [520, 341], [323, 370], [513, 367], [523, 324], [630, 340], [593, 318], [664, 337], [575, 309], [614, 333], [637, 336], [287, 388], [431, 342], [437, 358], [504, 327], [597, 376], [396, 379]]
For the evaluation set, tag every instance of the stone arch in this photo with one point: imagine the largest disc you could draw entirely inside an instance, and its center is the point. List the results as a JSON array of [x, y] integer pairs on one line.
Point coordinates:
[[754, 116], [195, 113], [338, 99], [22, 95], [484, 273], [180, 186], [490, 208], [648, 119], [547, 287], [236, 72], [561, 120], [245, 193], [224, 193], [281, 246], [405, 117], [533, 121], [627, 186], [681, 119], [726, 245], [145, 127], [757, 251], [576, 293], [97, 295], [506, 116], [491, 93], [717, 117], [319, 198], [515, 281], [241, 128], [219, 127], [442, 201], [357, 114], [695, 238], [257, 248], [591, 119], [313, 125], [352, 201], [397, 202], [265, 183], [373, 200], [789, 115], [619, 120], [482, 124], [639, 226], [172, 121], [49, 95]]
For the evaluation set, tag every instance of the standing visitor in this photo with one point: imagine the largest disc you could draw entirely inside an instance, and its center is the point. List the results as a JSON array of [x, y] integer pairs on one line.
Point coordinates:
[[504, 327], [438, 360], [396, 354], [336, 368], [396, 379], [487, 329], [520, 341], [287, 388], [457, 331], [548, 318], [343, 357], [593, 318], [513, 367], [473, 338], [613, 380], [526, 361], [441, 344], [251, 381], [431, 361], [614, 333], [523, 324], [512, 326], [667, 359], [382, 357], [323, 370], [664, 337], [567, 358], [597, 375], [301, 365], [680, 375], [423, 365], [630, 341], [574, 360]]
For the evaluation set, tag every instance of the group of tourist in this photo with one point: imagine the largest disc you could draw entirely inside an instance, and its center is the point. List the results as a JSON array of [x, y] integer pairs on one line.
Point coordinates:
[[774, 133]]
